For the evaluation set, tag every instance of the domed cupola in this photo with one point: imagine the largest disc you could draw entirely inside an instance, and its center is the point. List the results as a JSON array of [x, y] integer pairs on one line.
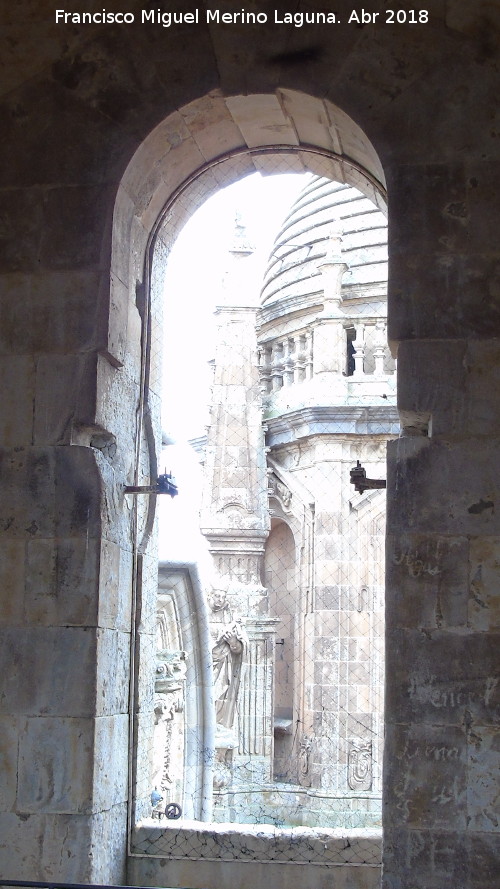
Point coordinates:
[[322, 319], [293, 278]]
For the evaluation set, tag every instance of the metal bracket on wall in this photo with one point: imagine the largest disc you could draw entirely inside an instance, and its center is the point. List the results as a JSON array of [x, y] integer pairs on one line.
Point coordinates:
[[165, 484], [362, 483]]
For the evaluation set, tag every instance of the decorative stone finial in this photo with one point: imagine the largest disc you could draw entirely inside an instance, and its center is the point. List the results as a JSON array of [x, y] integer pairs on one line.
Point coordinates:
[[240, 242], [333, 255], [333, 269]]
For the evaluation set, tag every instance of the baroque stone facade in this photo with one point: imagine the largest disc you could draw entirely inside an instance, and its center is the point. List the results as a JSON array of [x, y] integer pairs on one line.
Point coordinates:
[[298, 619]]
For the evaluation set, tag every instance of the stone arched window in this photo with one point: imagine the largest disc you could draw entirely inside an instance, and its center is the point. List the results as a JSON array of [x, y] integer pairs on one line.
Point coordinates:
[[191, 160]]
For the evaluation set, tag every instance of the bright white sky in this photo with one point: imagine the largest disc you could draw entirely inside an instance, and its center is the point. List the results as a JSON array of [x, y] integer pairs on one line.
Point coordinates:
[[192, 287], [195, 270]]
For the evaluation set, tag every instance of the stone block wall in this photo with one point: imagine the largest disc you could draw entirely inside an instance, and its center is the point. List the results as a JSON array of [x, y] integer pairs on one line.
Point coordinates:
[[65, 655], [442, 607], [442, 639], [66, 450]]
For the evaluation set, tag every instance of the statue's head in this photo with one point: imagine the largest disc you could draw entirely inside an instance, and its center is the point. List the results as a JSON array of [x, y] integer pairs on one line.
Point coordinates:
[[217, 599]]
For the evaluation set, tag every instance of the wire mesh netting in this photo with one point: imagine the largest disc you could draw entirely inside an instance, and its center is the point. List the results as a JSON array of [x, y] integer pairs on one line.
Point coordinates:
[[260, 698], [267, 844]]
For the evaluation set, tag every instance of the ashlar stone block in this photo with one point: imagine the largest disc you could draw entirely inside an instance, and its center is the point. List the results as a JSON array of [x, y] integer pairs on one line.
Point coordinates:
[[27, 493], [430, 205], [74, 226], [77, 499], [113, 672], [431, 386], [41, 296], [436, 296], [164, 179], [168, 135], [17, 373], [73, 765], [12, 567], [258, 116], [9, 731], [65, 396], [109, 845], [434, 858], [56, 765], [115, 585], [482, 382], [43, 669], [427, 580], [483, 794], [49, 492], [117, 322], [144, 757], [311, 119], [211, 125], [434, 494], [117, 396], [484, 600], [23, 837], [482, 180], [110, 761], [449, 386], [483, 852], [442, 678], [425, 776], [21, 215], [124, 252], [62, 579], [65, 847]]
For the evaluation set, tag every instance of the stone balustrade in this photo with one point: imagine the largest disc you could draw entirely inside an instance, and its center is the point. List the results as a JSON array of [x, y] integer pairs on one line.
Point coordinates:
[[288, 360]]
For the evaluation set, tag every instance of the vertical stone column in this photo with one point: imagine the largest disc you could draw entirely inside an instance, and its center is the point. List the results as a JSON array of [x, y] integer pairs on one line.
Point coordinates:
[[359, 350], [442, 735], [442, 595], [330, 341], [265, 369], [235, 521], [379, 346], [277, 366], [253, 760], [65, 588], [288, 362]]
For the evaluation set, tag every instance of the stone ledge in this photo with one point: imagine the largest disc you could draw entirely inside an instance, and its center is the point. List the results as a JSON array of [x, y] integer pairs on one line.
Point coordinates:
[[200, 841]]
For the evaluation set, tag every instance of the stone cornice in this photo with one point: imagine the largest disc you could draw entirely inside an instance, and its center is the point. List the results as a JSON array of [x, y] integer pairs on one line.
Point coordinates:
[[332, 420]]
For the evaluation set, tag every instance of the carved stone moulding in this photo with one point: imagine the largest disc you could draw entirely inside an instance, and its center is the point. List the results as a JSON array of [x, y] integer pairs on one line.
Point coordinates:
[[360, 764]]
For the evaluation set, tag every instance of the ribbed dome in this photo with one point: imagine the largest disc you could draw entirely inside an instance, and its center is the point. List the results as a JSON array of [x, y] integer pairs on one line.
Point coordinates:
[[293, 277]]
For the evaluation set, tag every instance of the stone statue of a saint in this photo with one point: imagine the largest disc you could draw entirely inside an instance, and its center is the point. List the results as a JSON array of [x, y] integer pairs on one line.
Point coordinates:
[[227, 659]]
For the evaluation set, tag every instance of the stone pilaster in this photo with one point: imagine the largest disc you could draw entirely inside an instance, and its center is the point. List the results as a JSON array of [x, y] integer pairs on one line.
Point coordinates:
[[235, 521], [330, 342], [442, 614]]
